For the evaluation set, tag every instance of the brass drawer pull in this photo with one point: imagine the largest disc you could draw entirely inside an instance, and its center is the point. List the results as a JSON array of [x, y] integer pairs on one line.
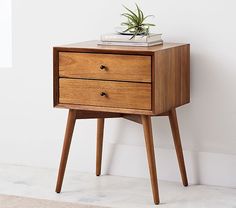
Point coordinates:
[[103, 94]]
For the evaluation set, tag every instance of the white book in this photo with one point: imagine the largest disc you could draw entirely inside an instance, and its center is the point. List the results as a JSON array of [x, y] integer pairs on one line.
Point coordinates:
[[110, 43], [127, 38]]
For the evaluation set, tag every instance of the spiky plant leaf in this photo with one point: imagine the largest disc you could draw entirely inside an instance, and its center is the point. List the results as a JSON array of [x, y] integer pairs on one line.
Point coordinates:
[[130, 11], [135, 22], [147, 24]]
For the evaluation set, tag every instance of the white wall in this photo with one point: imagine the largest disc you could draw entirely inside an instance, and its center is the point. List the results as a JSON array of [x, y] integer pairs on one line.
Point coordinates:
[[5, 34], [32, 131]]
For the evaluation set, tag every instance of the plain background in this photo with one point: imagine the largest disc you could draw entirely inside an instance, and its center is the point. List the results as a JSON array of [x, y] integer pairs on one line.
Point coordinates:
[[31, 131], [5, 34]]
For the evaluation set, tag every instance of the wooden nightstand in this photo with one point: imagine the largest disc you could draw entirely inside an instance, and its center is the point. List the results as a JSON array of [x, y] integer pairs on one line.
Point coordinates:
[[134, 83]]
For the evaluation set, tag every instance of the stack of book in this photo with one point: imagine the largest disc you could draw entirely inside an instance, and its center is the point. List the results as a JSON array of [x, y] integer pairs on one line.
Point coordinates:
[[127, 40]]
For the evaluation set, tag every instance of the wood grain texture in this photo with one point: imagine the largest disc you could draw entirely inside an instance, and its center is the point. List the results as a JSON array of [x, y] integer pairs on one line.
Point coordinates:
[[105, 109], [117, 94], [178, 146], [134, 118], [185, 74], [147, 127], [170, 74], [92, 47], [137, 83], [171, 86], [66, 147], [100, 130], [84, 114], [116, 67], [55, 77]]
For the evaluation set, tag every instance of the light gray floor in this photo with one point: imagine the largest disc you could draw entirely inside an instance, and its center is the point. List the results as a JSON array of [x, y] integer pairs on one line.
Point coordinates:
[[109, 191]]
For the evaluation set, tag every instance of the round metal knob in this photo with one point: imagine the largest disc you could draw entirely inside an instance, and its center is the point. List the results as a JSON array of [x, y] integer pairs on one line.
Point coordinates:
[[102, 67], [103, 94]]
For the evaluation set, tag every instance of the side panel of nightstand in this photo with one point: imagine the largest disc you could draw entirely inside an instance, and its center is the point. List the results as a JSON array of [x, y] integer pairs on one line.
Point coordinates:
[[171, 78], [55, 77]]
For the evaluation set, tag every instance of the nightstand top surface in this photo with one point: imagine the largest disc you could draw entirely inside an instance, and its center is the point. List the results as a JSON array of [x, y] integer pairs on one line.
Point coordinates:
[[92, 46]]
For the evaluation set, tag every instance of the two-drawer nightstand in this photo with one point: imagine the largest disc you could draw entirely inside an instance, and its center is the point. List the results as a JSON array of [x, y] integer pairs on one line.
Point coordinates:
[[134, 83]]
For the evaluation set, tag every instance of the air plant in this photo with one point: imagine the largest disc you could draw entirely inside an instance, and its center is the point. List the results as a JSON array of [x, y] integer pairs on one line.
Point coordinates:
[[135, 22]]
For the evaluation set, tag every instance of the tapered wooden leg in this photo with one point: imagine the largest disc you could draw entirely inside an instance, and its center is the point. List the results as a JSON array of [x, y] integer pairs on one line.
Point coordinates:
[[66, 147], [100, 130], [178, 146], [147, 127]]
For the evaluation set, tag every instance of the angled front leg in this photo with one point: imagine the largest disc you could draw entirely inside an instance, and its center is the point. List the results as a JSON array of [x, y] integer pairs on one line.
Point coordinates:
[[66, 147], [100, 130], [147, 127], [178, 146]]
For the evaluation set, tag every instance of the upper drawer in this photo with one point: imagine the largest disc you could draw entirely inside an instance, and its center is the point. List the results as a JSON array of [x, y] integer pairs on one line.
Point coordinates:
[[105, 66]]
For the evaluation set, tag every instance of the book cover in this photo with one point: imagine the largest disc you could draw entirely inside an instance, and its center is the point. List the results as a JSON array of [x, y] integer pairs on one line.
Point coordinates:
[[114, 43], [127, 38]]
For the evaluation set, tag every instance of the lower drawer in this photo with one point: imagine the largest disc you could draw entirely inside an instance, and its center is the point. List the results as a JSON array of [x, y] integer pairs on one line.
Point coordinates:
[[105, 93]]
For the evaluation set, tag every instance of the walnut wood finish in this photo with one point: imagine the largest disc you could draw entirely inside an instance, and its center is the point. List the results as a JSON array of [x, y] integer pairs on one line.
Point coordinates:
[[134, 83], [134, 118], [147, 127], [105, 66], [178, 146], [83, 114], [93, 47], [100, 130], [66, 147], [105, 109], [171, 77], [116, 94], [170, 73]]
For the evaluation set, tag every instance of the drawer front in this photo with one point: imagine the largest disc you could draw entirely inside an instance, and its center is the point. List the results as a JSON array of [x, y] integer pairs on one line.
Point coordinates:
[[105, 93], [105, 66]]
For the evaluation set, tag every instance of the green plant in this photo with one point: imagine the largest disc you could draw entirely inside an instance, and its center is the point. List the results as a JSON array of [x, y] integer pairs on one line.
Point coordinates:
[[135, 22]]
